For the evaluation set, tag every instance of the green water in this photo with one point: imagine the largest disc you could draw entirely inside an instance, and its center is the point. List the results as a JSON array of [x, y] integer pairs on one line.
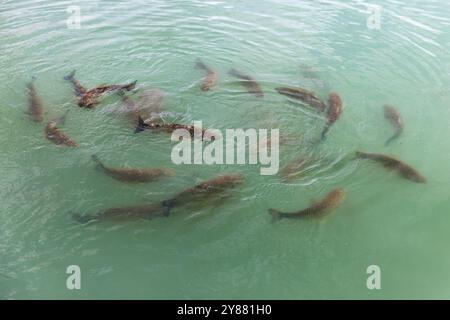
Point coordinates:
[[230, 251]]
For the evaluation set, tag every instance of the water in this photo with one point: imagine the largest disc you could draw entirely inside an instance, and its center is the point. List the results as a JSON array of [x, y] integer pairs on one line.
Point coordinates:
[[232, 251]]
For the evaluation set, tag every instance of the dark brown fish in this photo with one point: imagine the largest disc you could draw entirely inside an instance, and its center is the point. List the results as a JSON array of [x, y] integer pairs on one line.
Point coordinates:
[[56, 135], [89, 98], [122, 214], [334, 112], [305, 96], [204, 190], [248, 82], [391, 163], [167, 127], [36, 106], [394, 116], [133, 175], [319, 209], [212, 77]]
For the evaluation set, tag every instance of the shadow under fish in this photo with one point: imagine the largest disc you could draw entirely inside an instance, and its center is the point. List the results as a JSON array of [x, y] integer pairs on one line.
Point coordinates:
[[123, 214], [89, 98], [318, 210], [133, 175], [148, 104]]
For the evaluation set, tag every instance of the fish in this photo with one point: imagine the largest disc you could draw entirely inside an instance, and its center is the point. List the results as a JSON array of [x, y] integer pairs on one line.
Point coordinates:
[[167, 127], [394, 116], [56, 135], [212, 77], [204, 190], [89, 98], [133, 175], [319, 209], [334, 112], [123, 214], [36, 106], [305, 96], [391, 163], [249, 82]]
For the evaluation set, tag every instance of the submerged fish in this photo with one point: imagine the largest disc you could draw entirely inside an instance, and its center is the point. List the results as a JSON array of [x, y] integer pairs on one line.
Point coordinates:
[[36, 106], [292, 169], [249, 82], [211, 78], [391, 163], [202, 191], [121, 214], [332, 201], [305, 96], [134, 175], [89, 98], [394, 116], [334, 112], [58, 136]]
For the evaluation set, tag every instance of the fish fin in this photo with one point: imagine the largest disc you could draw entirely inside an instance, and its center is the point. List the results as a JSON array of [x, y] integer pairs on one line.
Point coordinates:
[[70, 76], [276, 214]]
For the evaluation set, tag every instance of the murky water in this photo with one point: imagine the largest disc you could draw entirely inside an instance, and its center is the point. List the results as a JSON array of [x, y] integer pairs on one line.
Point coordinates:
[[231, 250]]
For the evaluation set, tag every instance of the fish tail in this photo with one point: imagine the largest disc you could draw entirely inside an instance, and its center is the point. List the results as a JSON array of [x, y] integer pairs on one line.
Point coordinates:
[[168, 205], [141, 125], [81, 218], [276, 214], [323, 136], [395, 136], [362, 155], [31, 83], [98, 162], [61, 120], [131, 86], [200, 64], [70, 76]]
